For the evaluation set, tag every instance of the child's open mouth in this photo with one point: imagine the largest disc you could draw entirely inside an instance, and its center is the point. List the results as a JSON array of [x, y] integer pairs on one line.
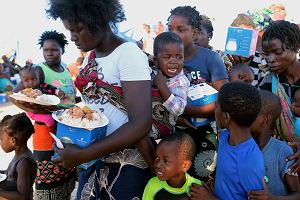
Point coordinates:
[[172, 70]]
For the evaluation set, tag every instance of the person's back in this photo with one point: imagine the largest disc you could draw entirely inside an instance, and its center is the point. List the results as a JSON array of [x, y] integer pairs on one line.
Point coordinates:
[[239, 168], [240, 165]]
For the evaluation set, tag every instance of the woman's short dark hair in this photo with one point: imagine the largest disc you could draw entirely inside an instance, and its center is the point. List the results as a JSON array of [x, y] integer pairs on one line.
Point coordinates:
[[60, 38], [288, 33], [95, 14]]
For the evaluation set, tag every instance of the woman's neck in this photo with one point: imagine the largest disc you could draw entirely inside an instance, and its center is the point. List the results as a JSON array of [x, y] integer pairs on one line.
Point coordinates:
[[56, 67], [108, 45], [189, 52], [292, 74]]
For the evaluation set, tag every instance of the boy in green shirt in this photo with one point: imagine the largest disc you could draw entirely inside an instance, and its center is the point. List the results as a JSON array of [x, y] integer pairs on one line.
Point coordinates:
[[174, 156]]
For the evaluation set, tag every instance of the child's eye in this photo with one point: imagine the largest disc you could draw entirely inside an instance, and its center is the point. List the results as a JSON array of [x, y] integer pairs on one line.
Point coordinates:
[[181, 30]]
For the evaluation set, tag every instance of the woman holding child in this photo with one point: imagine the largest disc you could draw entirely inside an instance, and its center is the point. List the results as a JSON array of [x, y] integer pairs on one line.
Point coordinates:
[[122, 173], [52, 181]]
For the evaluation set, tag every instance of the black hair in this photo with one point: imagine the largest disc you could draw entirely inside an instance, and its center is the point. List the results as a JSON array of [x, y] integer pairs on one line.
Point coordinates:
[[193, 16], [95, 14], [241, 101], [186, 143], [163, 39], [27, 69], [207, 25], [60, 38], [243, 19], [271, 105], [288, 33], [18, 126]]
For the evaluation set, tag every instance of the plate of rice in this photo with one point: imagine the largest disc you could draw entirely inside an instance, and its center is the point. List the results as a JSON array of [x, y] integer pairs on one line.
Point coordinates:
[[35, 96], [81, 117]]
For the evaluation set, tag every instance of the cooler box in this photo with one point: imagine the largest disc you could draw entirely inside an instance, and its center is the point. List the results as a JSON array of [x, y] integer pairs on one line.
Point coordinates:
[[199, 95], [79, 135], [241, 41]]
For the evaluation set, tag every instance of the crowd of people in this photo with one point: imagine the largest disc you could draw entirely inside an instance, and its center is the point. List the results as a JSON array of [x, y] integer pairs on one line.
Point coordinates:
[[247, 145]]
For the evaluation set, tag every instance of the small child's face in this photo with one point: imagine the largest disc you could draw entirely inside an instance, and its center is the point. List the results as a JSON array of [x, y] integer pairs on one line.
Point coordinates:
[[170, 59], [202, 38], [7, 142], [243, 74], [296, 104], [180, 25], [169, 162], [30, 79]]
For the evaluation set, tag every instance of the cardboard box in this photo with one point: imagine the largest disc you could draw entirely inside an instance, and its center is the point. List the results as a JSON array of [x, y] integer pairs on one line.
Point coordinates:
[[81, 137], [241, 41], [199, 95]]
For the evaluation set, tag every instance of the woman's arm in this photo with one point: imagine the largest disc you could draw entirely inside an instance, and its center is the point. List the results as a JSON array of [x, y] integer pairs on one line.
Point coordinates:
[[137, 96], [206, 110], [24, 169]]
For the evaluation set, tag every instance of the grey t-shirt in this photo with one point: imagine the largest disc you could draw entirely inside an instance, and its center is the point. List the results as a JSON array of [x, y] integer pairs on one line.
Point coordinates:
[[275, 153]]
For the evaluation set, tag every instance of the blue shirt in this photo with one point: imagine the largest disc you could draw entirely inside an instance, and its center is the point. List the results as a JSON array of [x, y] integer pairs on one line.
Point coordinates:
[[205, 66], [276, 167], [240, 169]]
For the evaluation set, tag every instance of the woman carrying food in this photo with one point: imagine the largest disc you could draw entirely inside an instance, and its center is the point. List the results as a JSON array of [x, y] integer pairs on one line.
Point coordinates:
[[52, 181], [122, 172]]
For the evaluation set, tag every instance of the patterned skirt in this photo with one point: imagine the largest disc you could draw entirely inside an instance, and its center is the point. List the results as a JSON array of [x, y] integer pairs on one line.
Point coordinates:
[[122, 175], [53, 182]]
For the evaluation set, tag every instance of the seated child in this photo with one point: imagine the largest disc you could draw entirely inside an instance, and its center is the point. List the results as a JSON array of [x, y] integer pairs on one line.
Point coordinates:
[[280, 181], [296, 111], [242, 72], [174, 155], [14, 133], [170, 80], [30, 79], [240, 164]]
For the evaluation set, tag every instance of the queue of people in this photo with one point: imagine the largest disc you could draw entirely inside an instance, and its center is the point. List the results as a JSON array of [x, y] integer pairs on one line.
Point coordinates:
[[152, 148]]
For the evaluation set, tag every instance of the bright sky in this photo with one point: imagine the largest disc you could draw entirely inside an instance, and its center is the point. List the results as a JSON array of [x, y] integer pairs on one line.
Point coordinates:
[[24, 23]]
